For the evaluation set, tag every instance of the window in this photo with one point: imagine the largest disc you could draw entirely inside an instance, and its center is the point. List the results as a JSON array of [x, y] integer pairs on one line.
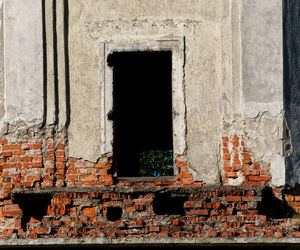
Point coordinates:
[[143, 107], [142, 113]]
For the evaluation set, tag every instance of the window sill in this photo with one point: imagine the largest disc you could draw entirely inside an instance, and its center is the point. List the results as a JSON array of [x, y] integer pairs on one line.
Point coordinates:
[[146, 179]]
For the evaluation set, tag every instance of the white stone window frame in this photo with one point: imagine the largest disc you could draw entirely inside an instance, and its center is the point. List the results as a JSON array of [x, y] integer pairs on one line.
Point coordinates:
[[177, 47]]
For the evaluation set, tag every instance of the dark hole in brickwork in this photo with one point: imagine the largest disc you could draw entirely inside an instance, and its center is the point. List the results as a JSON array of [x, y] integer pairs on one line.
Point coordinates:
[[273, 207], [169, 204], [114, 213], [32, 205], [142, 113]]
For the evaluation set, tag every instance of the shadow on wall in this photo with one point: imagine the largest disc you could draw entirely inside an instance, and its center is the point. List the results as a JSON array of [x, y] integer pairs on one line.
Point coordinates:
[[291, 87], [273, 207]]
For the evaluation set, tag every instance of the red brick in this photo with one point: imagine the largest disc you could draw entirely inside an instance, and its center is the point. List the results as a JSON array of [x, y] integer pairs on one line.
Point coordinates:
[[6, 154], [227, 169], [33, 178], [38, 159], [246, 155], [236, 168], [236, 162], [183, 170], [226, 157], [246, 161], [27, 159], [225, 151], [13, 213], [198, 212], [233, 198], [232, 175], [60, 147], [89, 211], [4, 141], [259, 178], [175, 222], [184, 175], [253, 172], [60, 159], [262, 217], [225, 139], [11, 147], [106, 177], [19, 152], [278, 234], [154, 229], [60, 153], [187, 181], [60, 165], [256, 166], [181, 164], [51, 147], [102, 165]]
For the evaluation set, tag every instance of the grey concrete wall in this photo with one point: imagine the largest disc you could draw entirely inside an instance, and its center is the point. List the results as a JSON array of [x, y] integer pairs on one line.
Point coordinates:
[[262, 77], [23, 59], [262, 56]]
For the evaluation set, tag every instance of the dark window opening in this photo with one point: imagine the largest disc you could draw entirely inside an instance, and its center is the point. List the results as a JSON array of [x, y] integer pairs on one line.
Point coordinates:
[[142, 113]]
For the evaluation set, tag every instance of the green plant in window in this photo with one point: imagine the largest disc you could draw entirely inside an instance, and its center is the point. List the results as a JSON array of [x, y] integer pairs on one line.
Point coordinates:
[[156, 163]]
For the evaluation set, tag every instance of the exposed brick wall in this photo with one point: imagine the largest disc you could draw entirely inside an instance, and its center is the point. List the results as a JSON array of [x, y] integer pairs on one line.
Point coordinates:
[[228, 212], [238, 161], [43, 164]]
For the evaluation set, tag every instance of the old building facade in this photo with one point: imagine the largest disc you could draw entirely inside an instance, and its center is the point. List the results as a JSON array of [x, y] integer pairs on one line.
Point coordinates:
[[79, 79]]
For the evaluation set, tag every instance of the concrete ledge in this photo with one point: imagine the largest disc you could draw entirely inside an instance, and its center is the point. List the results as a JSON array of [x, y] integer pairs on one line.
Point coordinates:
[[132, 189], [180, 242]]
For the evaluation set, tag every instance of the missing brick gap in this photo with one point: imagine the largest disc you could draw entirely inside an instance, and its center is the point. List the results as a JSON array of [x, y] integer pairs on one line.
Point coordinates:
[[114, 213], [169, 204], [33, 206]]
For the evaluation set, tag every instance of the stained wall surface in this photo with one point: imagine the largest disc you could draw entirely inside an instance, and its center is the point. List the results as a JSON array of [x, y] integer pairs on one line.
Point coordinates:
[[232, 81]]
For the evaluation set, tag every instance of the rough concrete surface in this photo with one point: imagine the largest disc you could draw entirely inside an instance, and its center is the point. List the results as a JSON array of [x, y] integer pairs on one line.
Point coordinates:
[[23, 59]]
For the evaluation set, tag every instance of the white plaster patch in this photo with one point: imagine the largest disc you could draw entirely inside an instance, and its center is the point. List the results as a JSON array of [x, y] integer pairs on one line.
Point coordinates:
[[278, 170]]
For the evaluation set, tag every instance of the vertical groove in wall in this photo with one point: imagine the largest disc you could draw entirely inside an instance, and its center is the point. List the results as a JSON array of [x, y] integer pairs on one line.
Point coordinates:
[[55, 65], [67, 73], [44, 35]]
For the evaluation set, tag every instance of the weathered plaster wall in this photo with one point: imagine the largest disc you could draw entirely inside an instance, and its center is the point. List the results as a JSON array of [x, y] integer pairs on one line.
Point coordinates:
[[232, 71], [93, 23], [23, 60], [252, 74], [262, 69]]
